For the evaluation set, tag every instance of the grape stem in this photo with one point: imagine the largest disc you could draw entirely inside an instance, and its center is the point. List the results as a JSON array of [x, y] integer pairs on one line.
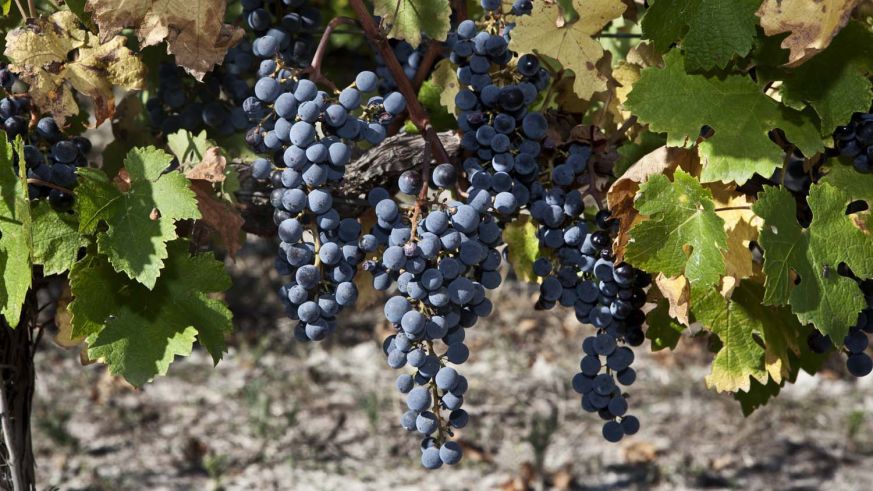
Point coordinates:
[[314, 69], [31, 7], [427, 61], [436, 399], [421, 200], [460, 9], [417, 114], [40, 182]]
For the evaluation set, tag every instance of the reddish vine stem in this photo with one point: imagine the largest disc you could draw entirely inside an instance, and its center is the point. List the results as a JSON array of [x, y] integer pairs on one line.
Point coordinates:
[[427, 61], [421, 200], [40, 182], [460, 9], [417, 114], [31, 7], [314, 69]]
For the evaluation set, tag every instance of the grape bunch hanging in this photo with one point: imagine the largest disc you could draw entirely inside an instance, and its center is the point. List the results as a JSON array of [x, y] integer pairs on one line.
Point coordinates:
[[438, 253]]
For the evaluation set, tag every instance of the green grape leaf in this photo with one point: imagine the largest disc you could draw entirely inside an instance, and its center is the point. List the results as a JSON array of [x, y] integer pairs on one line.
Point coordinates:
[[714, 31], [848, 63], [136, 331], [523, 247], [5, 5], [15, 244], [680, 216], [572, 44], [824, 298], [56, 238], [140, 220], [857, 185], [188, 147], [757, 396], [802, 359], [446, 79], [430, 97], [673, 101], [410, 19], [663, 331], [739, 323]]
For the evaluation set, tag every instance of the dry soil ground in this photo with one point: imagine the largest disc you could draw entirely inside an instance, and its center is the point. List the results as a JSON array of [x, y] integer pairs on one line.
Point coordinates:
[[276, 414]]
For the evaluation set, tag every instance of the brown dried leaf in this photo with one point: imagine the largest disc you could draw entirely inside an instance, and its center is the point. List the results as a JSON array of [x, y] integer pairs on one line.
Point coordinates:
[[211, 167], [620, 197], [637, 453], [194, 31], [55, 57], [220, 216], [812, 24]]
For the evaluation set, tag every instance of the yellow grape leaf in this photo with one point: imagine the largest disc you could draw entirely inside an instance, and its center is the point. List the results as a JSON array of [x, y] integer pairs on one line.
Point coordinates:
[[741, 225], [677, 293], [55, 56], [571, 44], [812, 25], [409, 19], [523, 248], [194, 31], [740, 322], [627, 71], [445, 78]]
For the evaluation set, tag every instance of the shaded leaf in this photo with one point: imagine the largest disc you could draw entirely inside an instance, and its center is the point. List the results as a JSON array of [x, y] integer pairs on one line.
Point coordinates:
[[137, 331], [713, 32], [56, 238], [15, 245], [409, 19]]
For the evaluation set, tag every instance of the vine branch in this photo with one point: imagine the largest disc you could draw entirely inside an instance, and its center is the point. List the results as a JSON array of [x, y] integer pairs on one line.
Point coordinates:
[[8, 435], [314, 70], [417, 114]]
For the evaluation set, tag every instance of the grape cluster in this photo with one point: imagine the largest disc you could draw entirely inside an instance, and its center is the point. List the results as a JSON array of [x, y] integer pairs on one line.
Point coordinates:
[[578, 271], [283, 31], [855, 344], [442, 267], [855, 141], [181, 103], [311, 135], [501, 135], [409, 58], [48, 155]]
